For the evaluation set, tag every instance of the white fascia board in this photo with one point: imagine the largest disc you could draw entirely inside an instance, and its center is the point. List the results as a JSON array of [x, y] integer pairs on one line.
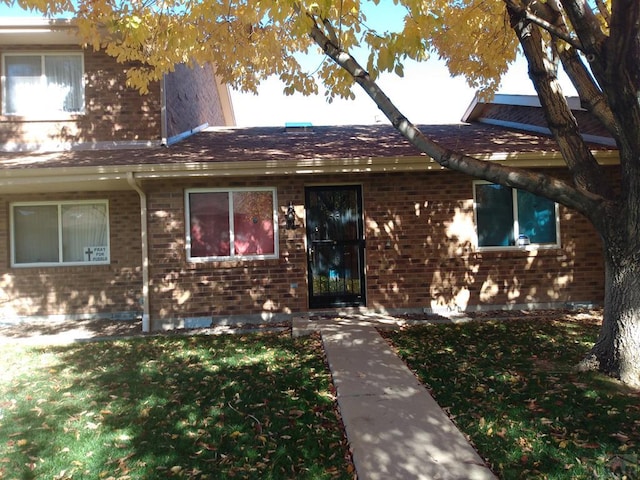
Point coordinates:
[[608, 141], [37, 31], [472, 112], [115, 177]]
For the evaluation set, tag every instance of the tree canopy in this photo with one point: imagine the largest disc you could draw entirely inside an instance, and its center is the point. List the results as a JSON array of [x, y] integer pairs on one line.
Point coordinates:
[[249, 41]]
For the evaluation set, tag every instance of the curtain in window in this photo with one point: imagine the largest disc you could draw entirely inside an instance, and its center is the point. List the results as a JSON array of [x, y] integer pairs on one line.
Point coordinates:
[[253, 223], [64, 83], [23, 83], [209, 224], [36, 233], [84, 227]]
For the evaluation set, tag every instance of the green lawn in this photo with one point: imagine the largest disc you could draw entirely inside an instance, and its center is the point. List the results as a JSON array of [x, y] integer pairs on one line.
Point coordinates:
[[215, 407], [510, 387]]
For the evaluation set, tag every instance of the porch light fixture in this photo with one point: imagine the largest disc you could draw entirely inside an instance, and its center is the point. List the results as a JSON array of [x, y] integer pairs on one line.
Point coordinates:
[[291, 217]]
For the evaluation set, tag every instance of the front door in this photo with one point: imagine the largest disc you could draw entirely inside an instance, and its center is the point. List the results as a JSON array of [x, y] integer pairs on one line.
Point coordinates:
[[335, 239]]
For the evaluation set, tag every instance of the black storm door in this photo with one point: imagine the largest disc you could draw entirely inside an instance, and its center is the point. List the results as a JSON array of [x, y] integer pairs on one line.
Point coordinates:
[[335, 239]]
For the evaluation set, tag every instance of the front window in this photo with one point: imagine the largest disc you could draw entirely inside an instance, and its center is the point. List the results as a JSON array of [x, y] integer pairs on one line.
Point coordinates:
[[40, 85], [228, 224], [60, 233], [510, 218]]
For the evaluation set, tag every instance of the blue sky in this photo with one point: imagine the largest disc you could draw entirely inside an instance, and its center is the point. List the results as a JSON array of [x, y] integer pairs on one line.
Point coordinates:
[[426, 93]]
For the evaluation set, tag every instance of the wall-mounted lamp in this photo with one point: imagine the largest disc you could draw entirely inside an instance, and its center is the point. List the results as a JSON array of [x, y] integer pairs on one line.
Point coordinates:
[[523, 240], [291, 217]]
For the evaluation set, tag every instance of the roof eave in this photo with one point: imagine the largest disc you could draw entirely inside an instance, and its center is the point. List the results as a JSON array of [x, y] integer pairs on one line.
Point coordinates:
[[37, 31], [114, 177]]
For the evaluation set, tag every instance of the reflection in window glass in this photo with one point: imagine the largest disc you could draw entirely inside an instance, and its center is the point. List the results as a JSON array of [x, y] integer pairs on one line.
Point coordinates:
[[501, 218], [238, 223], [209, 224], [494, 209], [35, 233], [253, 223], [536, 217]]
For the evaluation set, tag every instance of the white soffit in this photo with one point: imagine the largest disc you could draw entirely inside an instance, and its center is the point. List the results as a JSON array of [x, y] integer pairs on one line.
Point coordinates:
[[34, 31]]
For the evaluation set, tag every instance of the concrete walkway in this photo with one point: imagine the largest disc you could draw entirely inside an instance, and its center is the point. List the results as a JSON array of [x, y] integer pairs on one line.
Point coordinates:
[[395, 428]]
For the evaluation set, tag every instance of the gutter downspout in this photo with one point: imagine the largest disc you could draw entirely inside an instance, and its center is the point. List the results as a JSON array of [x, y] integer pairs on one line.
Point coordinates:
[[146, 324], [163, 111]]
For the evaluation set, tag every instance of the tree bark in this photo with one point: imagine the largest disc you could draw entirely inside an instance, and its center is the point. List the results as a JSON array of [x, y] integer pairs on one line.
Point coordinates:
[[617, 349]]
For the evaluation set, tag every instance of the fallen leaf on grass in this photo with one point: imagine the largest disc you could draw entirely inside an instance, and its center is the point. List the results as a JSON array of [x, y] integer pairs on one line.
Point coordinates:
[[620, 436]]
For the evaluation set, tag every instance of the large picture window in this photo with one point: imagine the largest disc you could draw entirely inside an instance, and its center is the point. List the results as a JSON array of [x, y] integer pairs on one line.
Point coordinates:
[[42, 84], [504, 215], [227, 224], [60, 233]]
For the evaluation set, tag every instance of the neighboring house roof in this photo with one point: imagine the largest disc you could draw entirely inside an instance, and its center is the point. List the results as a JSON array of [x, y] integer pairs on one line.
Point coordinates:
[[276, 150], [524, 112]]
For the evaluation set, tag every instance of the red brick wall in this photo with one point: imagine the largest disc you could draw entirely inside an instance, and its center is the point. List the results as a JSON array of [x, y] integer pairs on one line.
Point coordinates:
[[416, 256], [181, 290], [192, 99], [113, 112], [113, 289]]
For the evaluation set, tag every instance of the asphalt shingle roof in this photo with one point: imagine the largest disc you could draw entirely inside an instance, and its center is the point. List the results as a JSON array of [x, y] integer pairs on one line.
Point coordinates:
[[278, 143]]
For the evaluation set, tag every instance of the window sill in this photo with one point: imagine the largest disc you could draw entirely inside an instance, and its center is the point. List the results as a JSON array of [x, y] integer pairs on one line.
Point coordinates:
[[59, 265], [514, 248], [236, 260], [47, 117]]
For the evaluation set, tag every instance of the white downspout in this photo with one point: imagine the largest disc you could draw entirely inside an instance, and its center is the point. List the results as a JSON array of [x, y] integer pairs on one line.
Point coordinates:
[[146, 324], [164, 129]]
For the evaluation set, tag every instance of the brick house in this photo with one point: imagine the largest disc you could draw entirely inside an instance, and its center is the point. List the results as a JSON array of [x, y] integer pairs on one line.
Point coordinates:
[[121, 206]]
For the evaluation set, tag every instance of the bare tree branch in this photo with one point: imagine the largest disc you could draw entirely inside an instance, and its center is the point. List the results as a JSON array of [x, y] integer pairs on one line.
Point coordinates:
[[555, 189]]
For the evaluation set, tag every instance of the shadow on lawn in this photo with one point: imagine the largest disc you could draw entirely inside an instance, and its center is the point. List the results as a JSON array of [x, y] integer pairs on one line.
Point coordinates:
[[511, 387], [192, 407], [87, 328]]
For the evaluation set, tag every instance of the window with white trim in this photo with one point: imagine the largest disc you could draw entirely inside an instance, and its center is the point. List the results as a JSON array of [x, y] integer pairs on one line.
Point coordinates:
[[60, 233], [512, 218], [231, 224], [42, 84]]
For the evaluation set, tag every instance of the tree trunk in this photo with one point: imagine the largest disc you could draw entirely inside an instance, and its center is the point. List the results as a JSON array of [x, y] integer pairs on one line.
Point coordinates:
[[617, 349]]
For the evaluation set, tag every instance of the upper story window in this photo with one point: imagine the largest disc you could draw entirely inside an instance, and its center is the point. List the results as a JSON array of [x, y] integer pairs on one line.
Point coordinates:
[[511, 218], [59, 233], [231, 224], [41, 85]]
